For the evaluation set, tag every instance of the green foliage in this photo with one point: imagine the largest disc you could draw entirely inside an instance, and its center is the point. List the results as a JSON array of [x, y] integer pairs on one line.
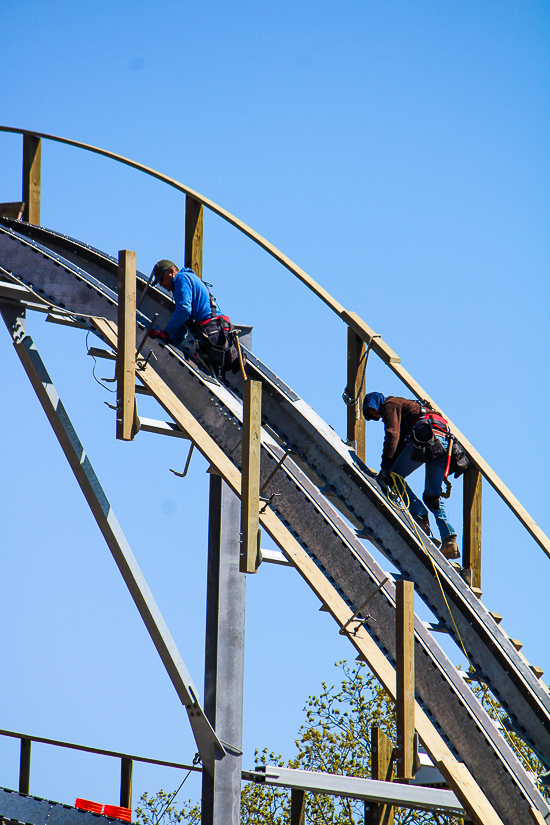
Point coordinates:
[[335, 738], [158, 809], [262, 804]]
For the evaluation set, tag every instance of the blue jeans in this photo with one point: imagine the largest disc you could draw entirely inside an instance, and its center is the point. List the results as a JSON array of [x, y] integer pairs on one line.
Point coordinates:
[[435, 470]]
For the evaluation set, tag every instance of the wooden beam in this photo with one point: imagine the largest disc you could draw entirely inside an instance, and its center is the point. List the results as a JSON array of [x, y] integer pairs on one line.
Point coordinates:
[[404, 705], [356, 364], [126, 772], [297, 807], [471, 536], [193, 235], [537, 817], [32, 162], [126, 353], [350, 318], [250, 498], [467, 791], [12, 210], [25, 766], [479, 808], [376, 813]]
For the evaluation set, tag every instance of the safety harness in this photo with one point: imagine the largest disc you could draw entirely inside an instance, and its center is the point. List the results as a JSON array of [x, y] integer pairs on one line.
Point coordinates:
[[216, 340], [427, 447]]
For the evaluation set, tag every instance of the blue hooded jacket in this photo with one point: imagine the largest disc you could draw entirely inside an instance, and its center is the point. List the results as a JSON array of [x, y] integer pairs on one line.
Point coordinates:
[[192, 301]]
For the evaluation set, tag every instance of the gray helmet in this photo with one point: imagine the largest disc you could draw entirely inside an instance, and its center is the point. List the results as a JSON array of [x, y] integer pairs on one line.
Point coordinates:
[[160, 268]]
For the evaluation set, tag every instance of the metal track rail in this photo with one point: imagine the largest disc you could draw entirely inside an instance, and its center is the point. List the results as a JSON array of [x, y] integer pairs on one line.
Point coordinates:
[[322, 473]]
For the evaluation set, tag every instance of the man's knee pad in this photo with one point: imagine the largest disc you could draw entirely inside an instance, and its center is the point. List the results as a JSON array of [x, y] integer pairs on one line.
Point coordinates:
[[433, 503]]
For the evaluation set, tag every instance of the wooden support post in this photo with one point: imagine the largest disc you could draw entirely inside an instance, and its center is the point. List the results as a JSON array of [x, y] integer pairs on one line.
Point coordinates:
[[297, 807], [126, 350], [32, 161], [250, 496], [126, 771], [404, 704], [193, 235], [25, 766], [471, 535], [356, 363], [376, 813]]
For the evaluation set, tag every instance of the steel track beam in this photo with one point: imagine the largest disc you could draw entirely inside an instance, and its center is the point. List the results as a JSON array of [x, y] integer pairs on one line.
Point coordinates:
[[222, 415], [458, 776], [371, 790]]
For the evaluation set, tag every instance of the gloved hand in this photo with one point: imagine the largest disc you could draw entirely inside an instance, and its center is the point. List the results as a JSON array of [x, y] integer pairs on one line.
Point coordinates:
[[159, 333], [384, 477]]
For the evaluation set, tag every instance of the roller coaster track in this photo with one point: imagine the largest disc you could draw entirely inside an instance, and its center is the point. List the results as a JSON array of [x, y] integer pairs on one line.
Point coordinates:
[[331, 504], [327, 505]]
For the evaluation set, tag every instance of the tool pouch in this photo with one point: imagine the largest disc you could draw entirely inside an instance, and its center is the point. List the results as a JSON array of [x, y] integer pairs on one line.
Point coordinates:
[[216, 342], [459, 460], [426, 446]]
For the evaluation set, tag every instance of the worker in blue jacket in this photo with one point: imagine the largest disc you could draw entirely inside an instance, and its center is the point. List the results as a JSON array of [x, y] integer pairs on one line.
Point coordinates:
[[196, 311], [192, 299]]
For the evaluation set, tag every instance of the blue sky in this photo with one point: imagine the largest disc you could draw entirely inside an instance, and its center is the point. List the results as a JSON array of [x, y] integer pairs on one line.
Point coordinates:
[[398, 152]]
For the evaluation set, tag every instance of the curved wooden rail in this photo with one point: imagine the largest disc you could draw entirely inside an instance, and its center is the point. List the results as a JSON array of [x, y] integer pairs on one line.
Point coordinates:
[[350, 318]]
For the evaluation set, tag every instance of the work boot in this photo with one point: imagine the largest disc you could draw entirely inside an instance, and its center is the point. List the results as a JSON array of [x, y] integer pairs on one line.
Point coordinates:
[[449, 548]]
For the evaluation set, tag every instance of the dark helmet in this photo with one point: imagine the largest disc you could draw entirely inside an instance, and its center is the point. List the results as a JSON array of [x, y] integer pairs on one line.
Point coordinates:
[[160, 268]]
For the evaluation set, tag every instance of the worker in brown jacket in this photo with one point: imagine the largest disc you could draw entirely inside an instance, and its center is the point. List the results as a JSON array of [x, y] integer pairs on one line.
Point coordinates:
[[414, 436]]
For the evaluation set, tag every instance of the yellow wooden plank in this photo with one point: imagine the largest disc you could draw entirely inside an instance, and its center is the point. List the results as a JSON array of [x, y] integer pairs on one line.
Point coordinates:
[[126, 352], [297, 807], [356, 371], [367, 334], [376, 813], [325, 591], [193, 235], [471, 534], [468, 792], [32, 162], [404, 706], [250, 498], [537, 817]]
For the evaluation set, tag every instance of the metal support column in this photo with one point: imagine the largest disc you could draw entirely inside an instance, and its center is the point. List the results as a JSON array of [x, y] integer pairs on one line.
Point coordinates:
[[224, 655]]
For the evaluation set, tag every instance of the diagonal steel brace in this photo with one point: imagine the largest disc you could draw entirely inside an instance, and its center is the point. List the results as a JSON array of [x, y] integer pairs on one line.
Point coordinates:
[[208, 744]]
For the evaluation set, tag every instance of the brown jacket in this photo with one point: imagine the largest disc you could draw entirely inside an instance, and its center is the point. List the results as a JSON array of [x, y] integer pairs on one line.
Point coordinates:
[[398, 415]]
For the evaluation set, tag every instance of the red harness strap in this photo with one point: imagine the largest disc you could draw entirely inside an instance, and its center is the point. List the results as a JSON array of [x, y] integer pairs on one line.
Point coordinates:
[[438, 422]]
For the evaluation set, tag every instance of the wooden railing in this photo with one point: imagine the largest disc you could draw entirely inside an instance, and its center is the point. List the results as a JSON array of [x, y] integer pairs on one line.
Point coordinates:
[[126, 762], [360, 335]]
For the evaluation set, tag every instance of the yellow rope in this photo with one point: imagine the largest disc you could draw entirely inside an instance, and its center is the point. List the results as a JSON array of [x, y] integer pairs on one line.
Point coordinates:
[[402, 496]]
